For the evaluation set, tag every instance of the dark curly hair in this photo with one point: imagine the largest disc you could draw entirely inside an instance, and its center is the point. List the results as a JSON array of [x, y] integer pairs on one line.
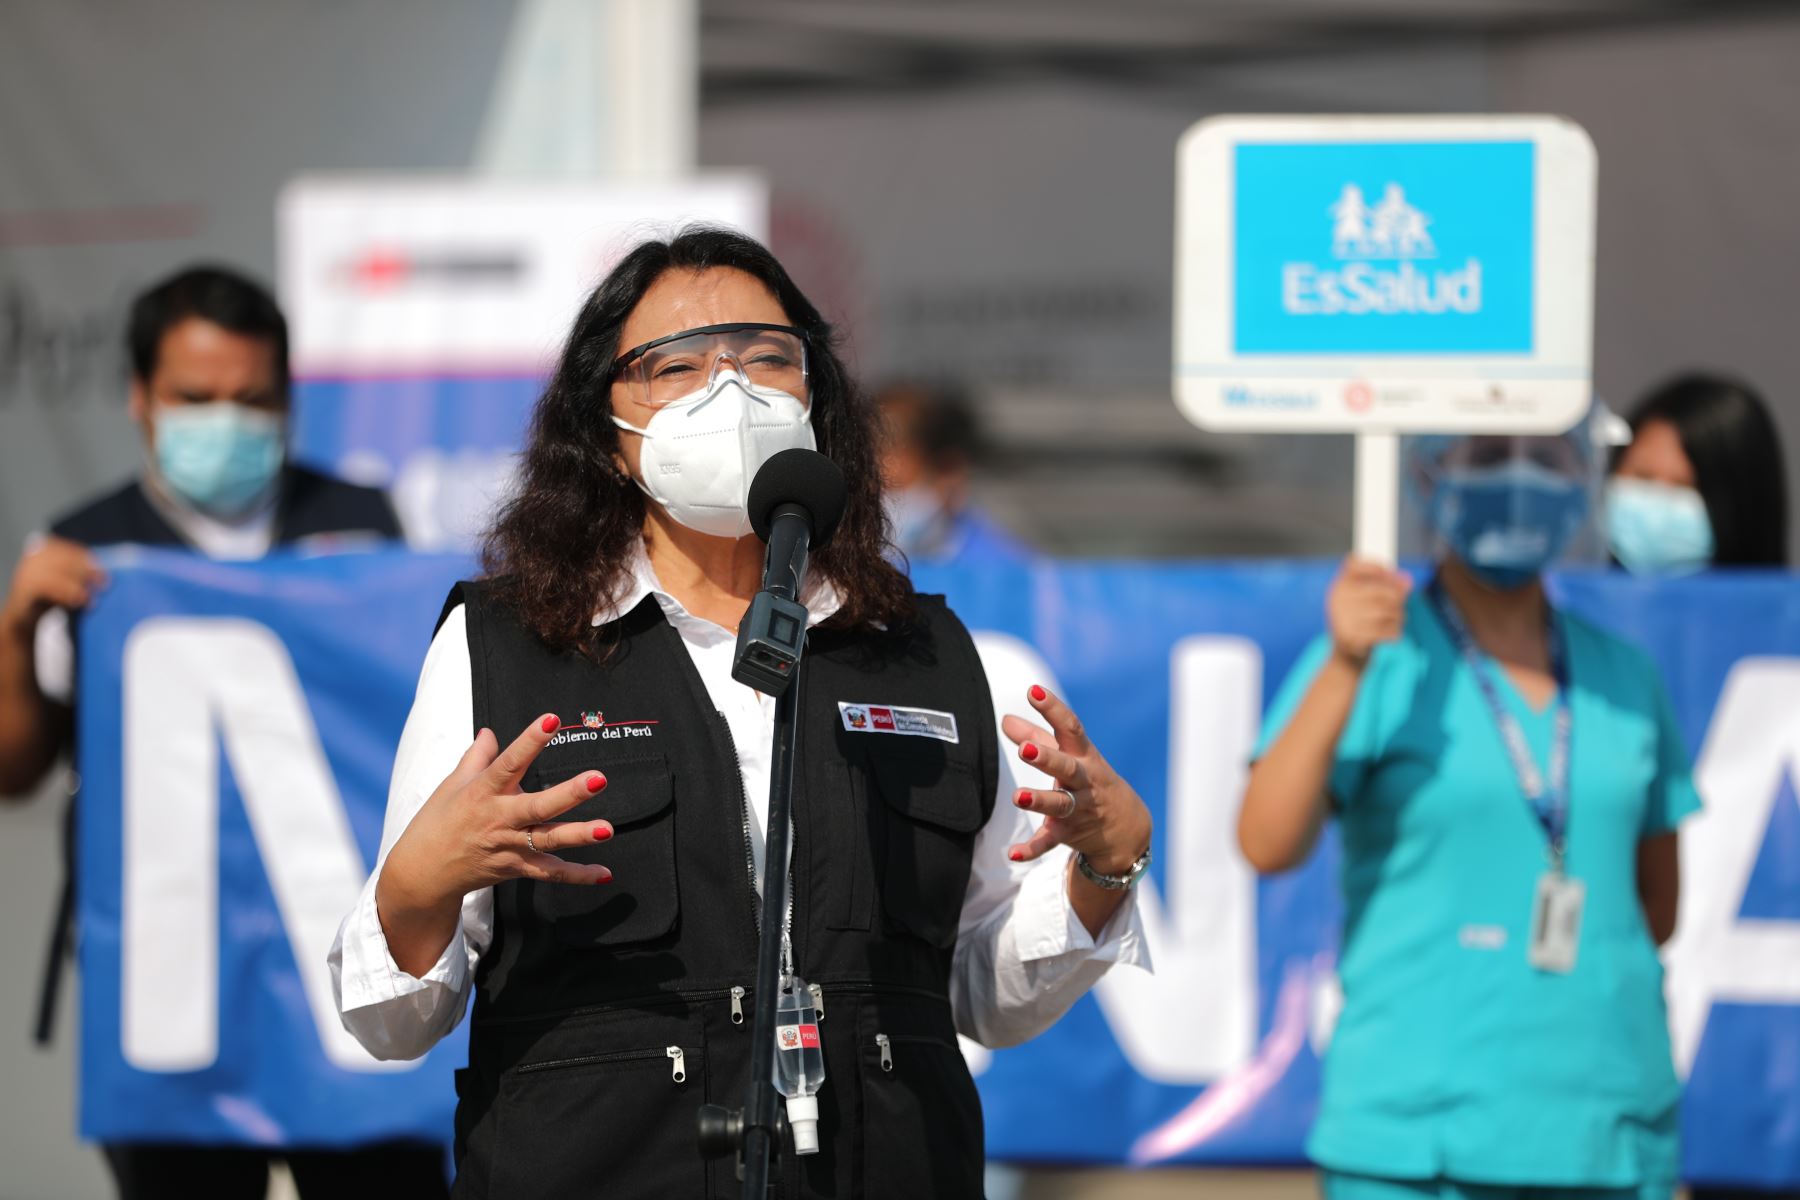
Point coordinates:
[[560, 547]]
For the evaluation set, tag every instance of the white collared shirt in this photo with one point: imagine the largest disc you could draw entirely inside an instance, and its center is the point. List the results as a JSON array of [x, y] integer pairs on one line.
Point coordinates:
[[1022, 955]]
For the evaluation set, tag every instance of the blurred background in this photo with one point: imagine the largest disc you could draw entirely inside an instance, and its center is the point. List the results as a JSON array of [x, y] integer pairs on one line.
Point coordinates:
[[979, 191]]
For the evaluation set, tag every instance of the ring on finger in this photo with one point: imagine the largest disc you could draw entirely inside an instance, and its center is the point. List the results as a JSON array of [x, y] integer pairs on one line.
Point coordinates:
[[1073, 803], [530, 843]]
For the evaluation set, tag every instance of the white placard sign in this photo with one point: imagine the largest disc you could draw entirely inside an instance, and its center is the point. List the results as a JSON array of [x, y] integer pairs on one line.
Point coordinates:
[[397, 275], [1384, 274]]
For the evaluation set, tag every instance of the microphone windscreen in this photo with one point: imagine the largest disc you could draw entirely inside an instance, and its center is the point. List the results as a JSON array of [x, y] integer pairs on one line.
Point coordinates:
[[803, 477]]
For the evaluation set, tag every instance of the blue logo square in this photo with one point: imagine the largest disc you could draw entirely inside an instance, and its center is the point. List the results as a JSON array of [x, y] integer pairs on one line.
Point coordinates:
[[1384, 247]]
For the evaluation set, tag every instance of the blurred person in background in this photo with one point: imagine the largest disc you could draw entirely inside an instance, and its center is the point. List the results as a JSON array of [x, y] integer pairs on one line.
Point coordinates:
[[931, 443], [1701, 483], [209, 394], [1507, 780]]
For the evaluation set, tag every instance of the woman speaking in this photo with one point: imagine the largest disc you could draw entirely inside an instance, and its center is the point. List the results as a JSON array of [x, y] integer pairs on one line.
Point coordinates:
[[595, 882]]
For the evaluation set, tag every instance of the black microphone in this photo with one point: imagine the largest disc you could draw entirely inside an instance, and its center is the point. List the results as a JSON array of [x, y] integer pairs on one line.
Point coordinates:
[[795, 504]]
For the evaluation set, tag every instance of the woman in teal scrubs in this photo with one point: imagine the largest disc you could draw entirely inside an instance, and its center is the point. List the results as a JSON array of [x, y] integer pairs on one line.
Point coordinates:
[[1507, 780]]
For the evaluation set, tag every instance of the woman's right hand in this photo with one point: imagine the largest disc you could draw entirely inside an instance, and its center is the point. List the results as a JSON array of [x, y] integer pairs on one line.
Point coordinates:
[[1365, 607], [472, 833]]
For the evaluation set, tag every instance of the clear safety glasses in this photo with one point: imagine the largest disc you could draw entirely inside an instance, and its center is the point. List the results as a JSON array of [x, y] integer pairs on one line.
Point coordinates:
[[681, 365], [1560, 455]]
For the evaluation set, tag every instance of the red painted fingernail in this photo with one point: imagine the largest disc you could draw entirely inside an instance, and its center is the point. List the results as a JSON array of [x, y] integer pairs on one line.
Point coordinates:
[[1038, 693], [602, 832], [550, 724], [605, 876], [596, 782], [1023, 799], [1016, 855], [1029, 751]]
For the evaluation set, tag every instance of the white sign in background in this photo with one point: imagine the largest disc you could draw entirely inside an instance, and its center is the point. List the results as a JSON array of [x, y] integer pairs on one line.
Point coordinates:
[[1381, 245], [442, 275]]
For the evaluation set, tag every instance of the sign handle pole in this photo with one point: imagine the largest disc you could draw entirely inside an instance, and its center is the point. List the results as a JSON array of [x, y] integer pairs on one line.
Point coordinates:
[[1377, 508]]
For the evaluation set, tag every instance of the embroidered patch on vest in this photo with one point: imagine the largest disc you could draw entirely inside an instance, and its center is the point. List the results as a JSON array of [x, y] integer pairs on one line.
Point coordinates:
[[594, 727], [886, 718]]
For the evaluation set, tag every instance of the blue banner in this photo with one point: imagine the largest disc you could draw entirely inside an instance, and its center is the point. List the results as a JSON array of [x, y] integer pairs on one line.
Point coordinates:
[[237, 726], [1132, 647], [194, 675]]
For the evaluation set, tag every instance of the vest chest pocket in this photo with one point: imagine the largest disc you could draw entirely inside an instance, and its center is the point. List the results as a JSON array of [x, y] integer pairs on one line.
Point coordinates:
[[642, 901], [931, 808]]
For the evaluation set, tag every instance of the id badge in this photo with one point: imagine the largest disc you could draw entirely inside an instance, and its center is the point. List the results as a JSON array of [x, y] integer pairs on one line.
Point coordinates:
[[1556, 923]]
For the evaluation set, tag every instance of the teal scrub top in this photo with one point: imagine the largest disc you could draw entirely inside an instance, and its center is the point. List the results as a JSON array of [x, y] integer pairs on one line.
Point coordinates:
[[1452, 1056]]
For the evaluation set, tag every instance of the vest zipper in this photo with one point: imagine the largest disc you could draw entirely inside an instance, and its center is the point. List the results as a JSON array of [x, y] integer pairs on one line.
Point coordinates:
[[737, 774], [738, 995], [737, 1005], [886, 1044], [675, 1054], [865, 987]]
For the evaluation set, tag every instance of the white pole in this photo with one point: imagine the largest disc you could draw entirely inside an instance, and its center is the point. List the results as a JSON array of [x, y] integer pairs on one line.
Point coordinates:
[[1377, 504], [595, 89], [653, 87]]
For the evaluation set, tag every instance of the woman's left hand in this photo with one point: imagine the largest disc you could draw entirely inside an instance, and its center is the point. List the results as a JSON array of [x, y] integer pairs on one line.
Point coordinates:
[[1093, 811]]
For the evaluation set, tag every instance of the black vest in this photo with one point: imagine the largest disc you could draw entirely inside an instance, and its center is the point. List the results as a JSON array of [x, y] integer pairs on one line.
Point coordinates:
[[308, 506], [591, 997]]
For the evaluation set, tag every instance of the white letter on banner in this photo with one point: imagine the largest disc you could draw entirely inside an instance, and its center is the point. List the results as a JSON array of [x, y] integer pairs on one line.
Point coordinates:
[[1751, 749], [189, 683], [1194, 1020], [1011, 667]]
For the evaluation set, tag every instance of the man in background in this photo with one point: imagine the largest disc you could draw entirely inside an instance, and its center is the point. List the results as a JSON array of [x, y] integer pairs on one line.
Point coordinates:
[[209, 394], [928, 456]]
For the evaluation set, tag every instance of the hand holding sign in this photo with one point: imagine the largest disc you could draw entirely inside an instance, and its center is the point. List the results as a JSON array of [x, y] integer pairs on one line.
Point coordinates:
[[54, 573], [479, 828], [1365, 607]]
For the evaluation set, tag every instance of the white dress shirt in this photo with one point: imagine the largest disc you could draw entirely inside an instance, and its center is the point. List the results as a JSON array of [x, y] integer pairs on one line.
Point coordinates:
[[1022, 955]]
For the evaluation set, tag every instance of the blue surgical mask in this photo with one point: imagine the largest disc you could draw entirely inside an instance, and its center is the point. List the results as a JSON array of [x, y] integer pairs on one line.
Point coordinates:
[[918, 520], [1507, 522], [1657, 528], [220, 457]]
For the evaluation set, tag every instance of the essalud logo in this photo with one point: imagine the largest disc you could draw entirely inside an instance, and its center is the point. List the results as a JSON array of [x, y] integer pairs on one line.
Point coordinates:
[[1364, 239]]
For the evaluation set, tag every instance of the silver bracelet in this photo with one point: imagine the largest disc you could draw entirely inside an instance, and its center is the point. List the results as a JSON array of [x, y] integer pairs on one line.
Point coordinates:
[[1113, 883]]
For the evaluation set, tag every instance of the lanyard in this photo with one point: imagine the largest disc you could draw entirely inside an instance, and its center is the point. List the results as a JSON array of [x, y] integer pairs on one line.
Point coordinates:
[[1549, 800]]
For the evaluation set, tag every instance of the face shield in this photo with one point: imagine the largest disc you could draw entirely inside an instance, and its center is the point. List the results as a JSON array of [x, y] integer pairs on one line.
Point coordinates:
[[1506, 506], [682, 367]]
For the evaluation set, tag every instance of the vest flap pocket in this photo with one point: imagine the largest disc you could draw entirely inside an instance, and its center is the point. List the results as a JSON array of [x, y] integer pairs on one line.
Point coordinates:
[[638, 787], [933, 808], [642, 902], [921, 781]]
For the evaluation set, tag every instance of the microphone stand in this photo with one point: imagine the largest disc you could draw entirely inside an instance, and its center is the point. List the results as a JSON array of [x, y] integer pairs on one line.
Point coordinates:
[[763, 1107], [771, 641]]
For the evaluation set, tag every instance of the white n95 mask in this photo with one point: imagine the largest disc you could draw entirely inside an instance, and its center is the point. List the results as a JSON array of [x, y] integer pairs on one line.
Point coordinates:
[[701, 452]]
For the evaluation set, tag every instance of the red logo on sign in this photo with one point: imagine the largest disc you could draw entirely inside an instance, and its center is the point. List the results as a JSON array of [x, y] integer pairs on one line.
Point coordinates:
[[1359, 397], [882, 718]]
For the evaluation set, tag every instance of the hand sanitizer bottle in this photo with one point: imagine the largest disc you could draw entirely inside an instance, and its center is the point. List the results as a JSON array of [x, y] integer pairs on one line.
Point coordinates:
[[799, 1062]]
